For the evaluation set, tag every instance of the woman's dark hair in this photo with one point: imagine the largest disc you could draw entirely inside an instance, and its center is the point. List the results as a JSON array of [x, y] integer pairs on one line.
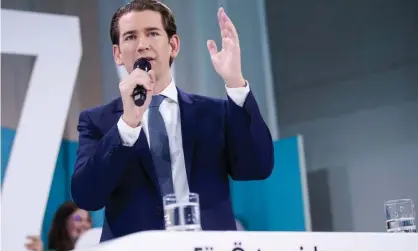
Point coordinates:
[[58, 237]]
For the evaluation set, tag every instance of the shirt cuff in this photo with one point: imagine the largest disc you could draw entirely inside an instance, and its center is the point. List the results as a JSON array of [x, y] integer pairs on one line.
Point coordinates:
[[238, 94], [128, 135]]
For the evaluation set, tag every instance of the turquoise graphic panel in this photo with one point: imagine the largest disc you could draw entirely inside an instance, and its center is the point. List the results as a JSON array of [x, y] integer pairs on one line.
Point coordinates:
[[275, 204]]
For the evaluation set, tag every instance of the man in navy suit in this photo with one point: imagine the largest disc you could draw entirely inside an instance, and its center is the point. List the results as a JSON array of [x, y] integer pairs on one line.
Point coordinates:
[[130, 156]]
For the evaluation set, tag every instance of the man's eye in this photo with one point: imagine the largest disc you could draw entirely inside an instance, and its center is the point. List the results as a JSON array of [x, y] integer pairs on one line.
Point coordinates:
[[130, 37]]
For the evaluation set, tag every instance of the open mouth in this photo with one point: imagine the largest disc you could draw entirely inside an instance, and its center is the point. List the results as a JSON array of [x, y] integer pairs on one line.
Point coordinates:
[[149, 58]]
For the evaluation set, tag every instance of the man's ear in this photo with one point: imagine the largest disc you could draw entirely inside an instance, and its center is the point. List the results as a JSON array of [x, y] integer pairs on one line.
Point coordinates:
[[174, 46], [117, 55]]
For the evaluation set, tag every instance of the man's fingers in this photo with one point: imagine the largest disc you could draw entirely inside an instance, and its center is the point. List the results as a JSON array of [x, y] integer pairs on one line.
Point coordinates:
[[142, 78], [212, 48], [228, 28], [152, 80], [232, 31], [221, 22], [146, 85], [138, 72]]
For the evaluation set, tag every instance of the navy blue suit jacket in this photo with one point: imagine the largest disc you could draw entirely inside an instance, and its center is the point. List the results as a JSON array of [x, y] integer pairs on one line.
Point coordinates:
[[220, 139]]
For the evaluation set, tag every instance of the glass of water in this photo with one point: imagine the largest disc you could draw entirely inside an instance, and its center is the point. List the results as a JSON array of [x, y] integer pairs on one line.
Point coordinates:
[[400, 216], [182, 213]]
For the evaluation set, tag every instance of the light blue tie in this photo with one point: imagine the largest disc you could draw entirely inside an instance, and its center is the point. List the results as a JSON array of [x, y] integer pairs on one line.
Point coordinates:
[[159, 147]]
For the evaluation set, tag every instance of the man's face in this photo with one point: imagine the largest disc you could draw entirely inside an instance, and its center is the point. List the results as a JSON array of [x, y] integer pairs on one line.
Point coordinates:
[[142, 34]]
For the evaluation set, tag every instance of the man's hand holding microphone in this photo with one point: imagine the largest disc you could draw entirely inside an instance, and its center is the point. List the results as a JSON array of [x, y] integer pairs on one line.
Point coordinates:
[[139, 85]]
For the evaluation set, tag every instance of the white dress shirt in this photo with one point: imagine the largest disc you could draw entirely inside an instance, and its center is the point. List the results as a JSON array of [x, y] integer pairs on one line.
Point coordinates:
[[170, 112]]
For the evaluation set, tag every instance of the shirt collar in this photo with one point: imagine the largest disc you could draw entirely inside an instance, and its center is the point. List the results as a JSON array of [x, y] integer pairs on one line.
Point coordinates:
[[171, 91]]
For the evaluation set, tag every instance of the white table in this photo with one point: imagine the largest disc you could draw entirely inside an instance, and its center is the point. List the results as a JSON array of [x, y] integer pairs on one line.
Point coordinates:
[[263, 241]]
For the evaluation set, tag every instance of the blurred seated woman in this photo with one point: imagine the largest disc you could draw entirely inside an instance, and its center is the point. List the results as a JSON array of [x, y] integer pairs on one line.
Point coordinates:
[[68, 224]]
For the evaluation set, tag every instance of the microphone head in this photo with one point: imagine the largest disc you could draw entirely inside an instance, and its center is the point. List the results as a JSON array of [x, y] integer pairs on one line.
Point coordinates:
[[142, 64]]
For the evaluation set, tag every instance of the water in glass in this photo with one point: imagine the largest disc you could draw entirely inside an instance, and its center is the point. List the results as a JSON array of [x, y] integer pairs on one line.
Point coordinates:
[[400, 216], [182, 214], [405, 225]]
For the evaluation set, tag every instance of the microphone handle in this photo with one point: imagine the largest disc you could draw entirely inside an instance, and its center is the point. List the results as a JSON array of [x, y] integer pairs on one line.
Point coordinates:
[[139, 95]]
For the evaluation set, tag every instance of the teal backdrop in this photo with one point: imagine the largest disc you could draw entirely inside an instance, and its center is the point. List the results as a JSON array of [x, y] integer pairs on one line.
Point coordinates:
[[274, 204], [278, 203]]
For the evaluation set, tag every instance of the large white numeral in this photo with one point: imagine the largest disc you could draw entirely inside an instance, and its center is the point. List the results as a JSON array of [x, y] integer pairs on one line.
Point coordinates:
[[56, 41]]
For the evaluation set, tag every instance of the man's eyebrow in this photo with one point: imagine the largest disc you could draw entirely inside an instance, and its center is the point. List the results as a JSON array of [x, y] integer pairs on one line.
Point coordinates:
[[129, 33], [148, 29], [152, 29]]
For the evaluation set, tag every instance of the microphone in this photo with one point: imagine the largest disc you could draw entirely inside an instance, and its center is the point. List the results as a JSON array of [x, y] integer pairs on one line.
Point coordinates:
[[140, 94]]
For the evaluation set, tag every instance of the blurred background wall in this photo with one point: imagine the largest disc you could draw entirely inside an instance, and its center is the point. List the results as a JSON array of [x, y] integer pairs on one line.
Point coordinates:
[[346, 78]]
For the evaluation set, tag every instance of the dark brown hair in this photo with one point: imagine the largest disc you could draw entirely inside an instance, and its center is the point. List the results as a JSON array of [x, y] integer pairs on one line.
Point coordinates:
[[58, 237], [167, 16]]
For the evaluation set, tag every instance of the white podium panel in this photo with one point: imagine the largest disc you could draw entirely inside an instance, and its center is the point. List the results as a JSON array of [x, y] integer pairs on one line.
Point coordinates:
[[260, 241]]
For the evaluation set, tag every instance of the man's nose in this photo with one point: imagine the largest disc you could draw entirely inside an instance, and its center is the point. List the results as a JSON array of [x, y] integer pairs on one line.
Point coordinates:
[[143, 44]]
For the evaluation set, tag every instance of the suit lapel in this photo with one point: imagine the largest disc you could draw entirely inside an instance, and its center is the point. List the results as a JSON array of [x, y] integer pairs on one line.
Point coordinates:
[[145, 157], [188, 128], [141, 149]]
